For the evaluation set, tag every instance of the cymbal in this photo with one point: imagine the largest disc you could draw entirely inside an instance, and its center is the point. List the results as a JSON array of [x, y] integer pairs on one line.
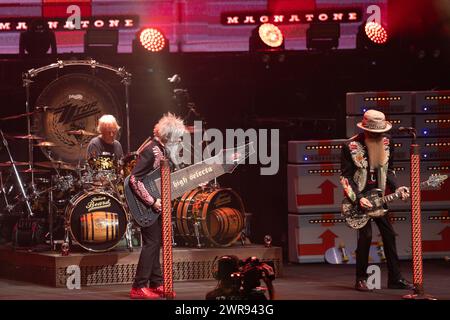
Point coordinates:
[[26, 137], [56, 164], [45, 144], [17, 116], [17, 163], [34, 171], [81, 132]]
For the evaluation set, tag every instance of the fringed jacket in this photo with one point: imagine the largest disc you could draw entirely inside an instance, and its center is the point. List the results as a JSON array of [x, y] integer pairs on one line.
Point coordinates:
[[355, 167]]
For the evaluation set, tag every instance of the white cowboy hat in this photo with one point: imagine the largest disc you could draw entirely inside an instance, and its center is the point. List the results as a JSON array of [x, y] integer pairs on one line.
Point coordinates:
[[374, 121]]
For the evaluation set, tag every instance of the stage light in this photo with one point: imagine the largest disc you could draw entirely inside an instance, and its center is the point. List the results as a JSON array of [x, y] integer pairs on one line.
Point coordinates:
[[371, 35], [376, 33], [152, 40], [266, 37], [37, 40], [271, 35], [101, 42], [323, 36]]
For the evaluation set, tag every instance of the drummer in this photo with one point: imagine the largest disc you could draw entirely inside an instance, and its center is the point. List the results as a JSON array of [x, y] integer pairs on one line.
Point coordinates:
[[106, 141]]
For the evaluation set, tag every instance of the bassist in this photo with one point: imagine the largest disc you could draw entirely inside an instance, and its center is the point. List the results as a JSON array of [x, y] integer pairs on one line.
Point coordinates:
[[148, 281], [367, 163]]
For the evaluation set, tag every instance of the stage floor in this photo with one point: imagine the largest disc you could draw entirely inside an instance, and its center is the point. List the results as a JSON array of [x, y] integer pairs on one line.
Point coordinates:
[[299, 282]]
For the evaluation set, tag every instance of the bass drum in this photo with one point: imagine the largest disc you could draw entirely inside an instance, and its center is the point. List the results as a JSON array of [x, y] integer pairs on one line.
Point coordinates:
[[209, 217], [75, 101], [97, 220]]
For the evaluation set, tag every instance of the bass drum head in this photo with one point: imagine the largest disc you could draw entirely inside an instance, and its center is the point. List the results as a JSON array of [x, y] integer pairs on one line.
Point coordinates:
[[97, 220], [75, 101], [219, 214]]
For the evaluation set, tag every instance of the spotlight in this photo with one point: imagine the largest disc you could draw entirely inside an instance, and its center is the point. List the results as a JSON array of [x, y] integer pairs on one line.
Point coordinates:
[[371, 35], [376, 33], [323, 36], [37, 40], [266, 37], [152, 40]]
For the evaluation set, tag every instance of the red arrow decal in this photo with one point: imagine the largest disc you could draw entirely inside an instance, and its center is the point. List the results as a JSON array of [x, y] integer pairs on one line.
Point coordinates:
[[438, 245], [325, 197], [312, 249]]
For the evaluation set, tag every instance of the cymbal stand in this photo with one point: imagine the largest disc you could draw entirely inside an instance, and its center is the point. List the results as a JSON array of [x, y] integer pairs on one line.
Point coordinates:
[[50, 214], [19, 180], [9, 207], [126, 80], [26, 84], [48, 153]]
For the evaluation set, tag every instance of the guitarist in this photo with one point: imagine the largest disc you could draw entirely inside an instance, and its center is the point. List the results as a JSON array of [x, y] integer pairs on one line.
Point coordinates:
[[148, 281], [367, 163]]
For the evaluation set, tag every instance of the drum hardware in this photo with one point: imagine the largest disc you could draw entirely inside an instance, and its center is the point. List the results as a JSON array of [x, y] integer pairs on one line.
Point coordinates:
[[174, 244], [197, 233], [129, 236], [8, 207], [19, 180]]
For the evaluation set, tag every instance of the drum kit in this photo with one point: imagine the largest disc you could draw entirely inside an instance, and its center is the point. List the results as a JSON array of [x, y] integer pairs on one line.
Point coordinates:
[[87, 204], [85, 200]]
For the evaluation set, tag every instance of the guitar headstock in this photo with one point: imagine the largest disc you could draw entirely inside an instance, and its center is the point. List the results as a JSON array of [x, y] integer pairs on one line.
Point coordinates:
[[234, 156], [436, 180]]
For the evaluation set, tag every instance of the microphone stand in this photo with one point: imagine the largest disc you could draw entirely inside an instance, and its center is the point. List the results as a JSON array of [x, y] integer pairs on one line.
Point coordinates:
[[182, 99], [416, 223]]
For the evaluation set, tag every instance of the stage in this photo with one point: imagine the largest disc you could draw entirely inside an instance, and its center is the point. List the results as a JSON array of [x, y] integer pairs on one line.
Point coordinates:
[[118, 266], [298, 282]]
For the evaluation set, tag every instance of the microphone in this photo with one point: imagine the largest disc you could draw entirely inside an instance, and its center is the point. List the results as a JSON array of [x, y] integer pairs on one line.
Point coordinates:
[[174, 79]]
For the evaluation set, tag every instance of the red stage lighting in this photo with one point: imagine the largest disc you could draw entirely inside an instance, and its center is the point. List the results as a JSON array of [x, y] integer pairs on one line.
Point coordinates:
[[271, 35], [376, 33], [152, 39]]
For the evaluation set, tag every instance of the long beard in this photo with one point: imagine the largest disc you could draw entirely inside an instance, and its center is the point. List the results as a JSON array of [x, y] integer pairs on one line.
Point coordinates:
[[377, 154]]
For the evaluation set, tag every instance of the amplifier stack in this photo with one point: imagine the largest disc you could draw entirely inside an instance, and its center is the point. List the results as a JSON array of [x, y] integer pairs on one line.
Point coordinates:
[[314, 192]]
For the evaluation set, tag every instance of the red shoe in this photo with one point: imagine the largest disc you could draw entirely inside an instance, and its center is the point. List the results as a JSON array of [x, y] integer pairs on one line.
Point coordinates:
[[160, 291], [143, 293]]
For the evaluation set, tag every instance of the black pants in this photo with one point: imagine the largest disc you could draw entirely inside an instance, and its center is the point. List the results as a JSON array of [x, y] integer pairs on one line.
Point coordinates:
[[390, 249], [148, 270]]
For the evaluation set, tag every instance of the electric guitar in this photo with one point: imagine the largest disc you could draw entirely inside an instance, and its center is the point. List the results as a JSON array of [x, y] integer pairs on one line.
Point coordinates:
[[184, 180], [357, 217]]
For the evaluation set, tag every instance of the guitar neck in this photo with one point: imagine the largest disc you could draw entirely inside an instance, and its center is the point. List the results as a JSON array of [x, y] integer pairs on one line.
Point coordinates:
[[396, 195], [189, 178]]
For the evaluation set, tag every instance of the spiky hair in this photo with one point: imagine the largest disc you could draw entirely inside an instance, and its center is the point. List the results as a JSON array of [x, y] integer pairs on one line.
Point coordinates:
[[169, 128]]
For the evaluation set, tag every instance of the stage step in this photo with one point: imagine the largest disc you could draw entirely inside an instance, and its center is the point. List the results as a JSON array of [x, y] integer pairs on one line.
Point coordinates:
[[119, 266]]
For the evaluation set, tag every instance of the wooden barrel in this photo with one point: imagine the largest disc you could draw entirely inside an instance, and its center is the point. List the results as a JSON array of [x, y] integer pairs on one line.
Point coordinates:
[[209, 217], [225, 223], [99, 226]]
